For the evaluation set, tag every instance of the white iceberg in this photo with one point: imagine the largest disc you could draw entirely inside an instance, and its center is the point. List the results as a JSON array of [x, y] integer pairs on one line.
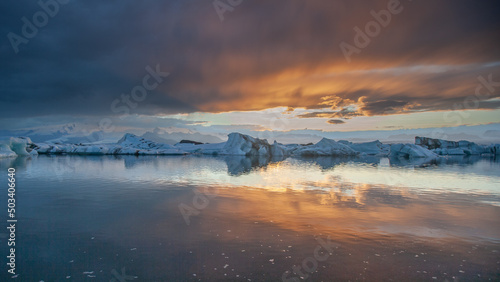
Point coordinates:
[[19, 145], [129, 144], [411, 151], [204, 149], [279, 150], [376, 148], [445, 147], [243, 145], [325, 147], [6, 152]]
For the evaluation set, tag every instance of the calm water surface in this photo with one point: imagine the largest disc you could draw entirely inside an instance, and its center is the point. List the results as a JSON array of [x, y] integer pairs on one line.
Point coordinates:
[[192, 218]]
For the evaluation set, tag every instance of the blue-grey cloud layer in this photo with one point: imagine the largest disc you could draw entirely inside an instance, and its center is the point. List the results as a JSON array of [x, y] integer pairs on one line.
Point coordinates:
[[91, 52]]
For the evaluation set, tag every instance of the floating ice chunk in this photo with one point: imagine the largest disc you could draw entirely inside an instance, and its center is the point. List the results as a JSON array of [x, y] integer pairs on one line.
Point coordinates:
[[6, 152], [18, 145]]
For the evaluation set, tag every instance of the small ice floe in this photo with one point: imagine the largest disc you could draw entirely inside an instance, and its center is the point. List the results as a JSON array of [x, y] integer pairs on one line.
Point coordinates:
[[15, 276], [68, 277], [88, 272], [91, 276], [71, 261], [271, 260], [228, 230], [225, 266], [92, 238], [242, 251], [194, 274], [133, 249]]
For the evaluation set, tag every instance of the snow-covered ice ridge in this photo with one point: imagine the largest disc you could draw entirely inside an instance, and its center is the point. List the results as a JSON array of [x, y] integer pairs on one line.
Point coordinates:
[[245, 145]]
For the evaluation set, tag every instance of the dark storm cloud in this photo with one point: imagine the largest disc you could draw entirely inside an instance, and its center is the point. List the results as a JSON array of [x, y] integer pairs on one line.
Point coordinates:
[[91, 52], [336, 121], [382, 107]]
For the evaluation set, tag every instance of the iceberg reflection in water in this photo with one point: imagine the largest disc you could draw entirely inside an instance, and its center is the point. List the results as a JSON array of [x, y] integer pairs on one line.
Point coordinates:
[[389, 218]]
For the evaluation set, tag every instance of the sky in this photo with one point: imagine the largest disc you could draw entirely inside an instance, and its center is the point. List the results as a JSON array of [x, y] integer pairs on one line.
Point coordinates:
[[360, 69]]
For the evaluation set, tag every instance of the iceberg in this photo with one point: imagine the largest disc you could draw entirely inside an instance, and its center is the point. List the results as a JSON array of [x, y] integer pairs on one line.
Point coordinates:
[[202, 149], [19, 145], [279, 150], [244, 145], [325, 147], [376, 148], [6, 152], [129, 144], [445, 147], [411, 151]]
